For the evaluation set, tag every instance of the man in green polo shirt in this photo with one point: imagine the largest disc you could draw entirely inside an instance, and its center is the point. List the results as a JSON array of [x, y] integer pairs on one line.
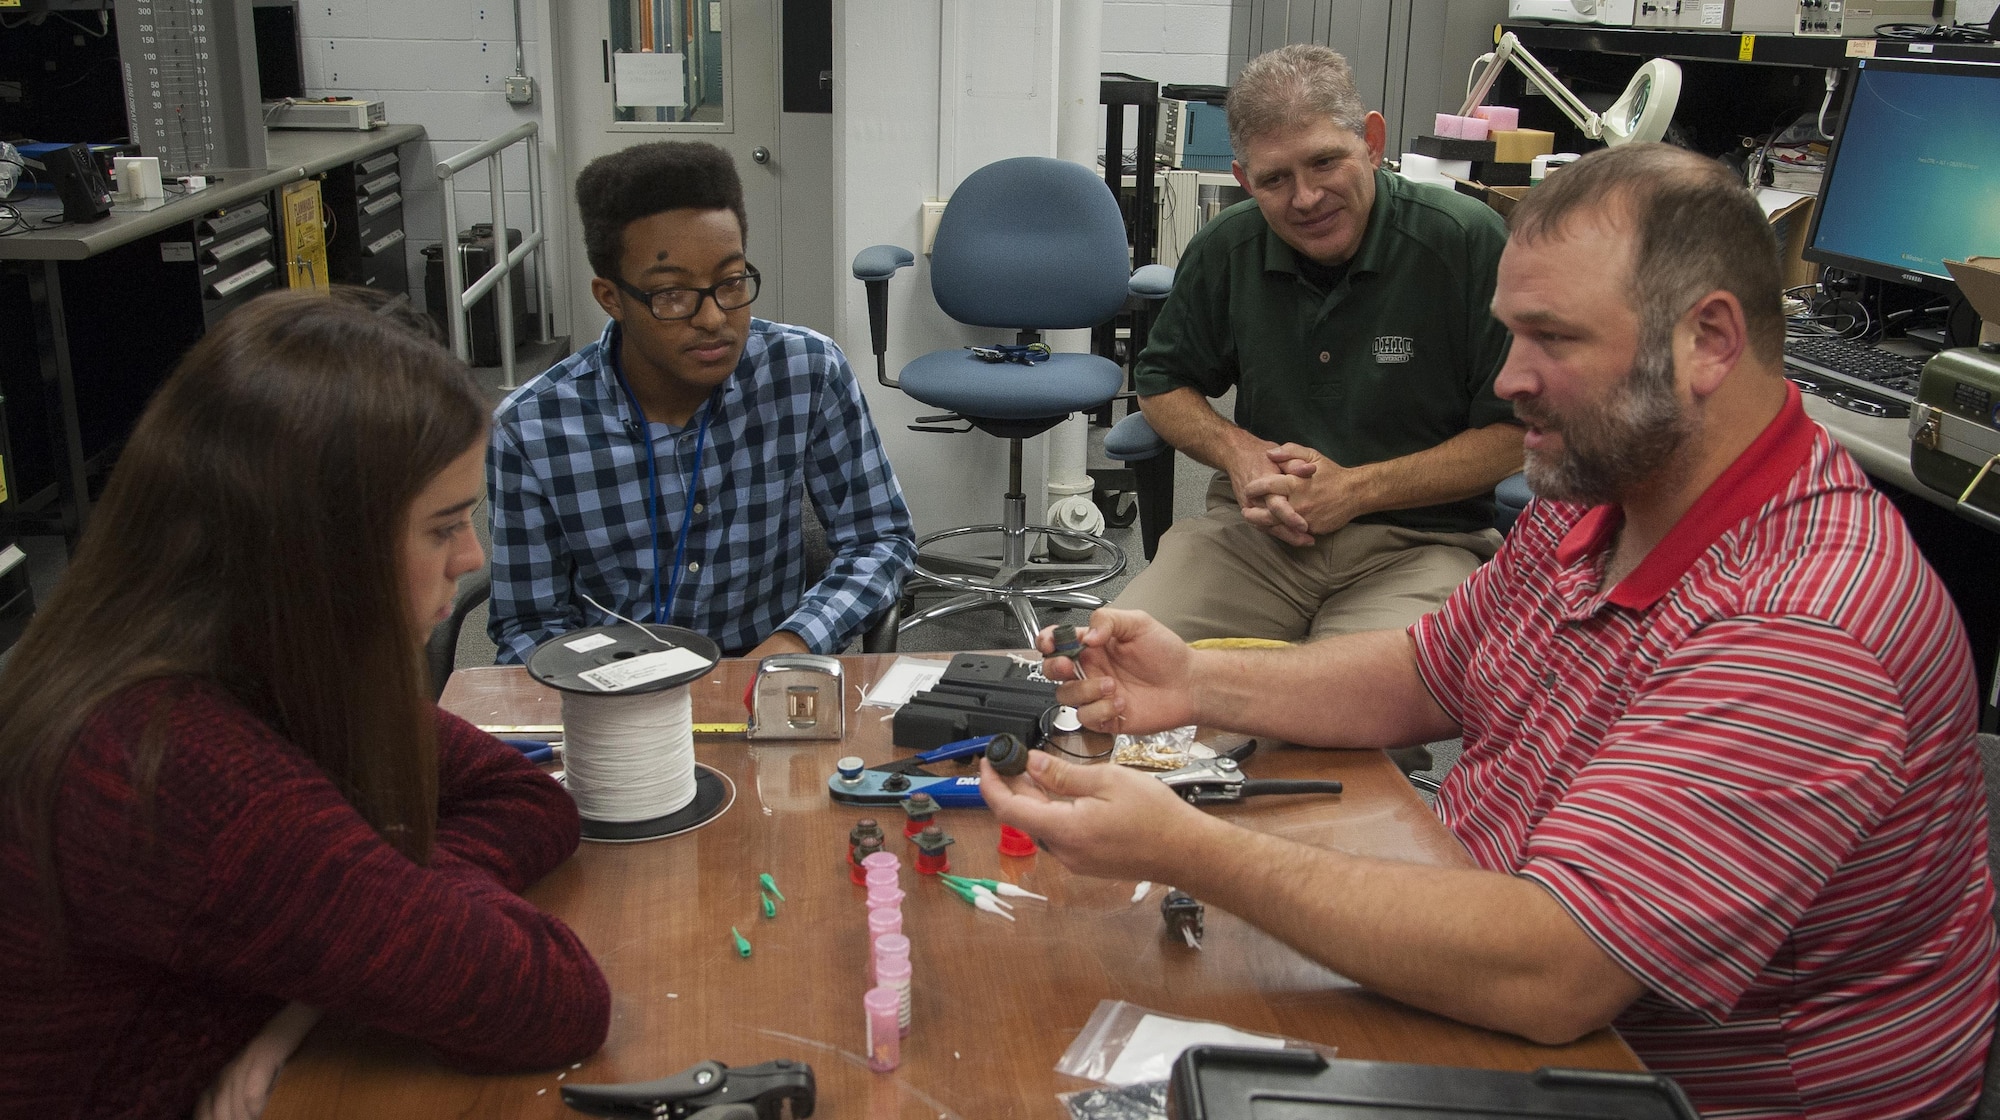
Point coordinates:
[[1348, 308]]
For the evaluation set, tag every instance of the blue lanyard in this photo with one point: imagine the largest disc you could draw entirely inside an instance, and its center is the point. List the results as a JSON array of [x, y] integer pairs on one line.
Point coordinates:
[[663, 608]]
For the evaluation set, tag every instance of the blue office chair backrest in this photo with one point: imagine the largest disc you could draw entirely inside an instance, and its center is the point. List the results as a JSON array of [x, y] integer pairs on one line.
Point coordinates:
[[1031, 244]]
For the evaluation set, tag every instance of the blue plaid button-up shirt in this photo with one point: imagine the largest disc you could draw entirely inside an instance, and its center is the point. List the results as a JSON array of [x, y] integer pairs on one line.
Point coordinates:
[[566, 471]]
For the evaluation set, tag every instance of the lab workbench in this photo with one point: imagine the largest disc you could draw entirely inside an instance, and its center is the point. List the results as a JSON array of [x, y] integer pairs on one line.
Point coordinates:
[[93, 316]]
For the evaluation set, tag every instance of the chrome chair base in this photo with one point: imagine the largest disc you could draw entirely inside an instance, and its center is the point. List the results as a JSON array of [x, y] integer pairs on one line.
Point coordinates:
[[1011, 581]]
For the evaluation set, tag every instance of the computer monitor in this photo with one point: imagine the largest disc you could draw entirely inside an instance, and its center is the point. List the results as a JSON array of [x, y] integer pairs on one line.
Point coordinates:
[[1914, 177]]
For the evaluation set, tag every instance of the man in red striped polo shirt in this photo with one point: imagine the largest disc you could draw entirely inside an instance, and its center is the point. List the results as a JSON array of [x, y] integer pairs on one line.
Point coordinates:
[[1719, 772]]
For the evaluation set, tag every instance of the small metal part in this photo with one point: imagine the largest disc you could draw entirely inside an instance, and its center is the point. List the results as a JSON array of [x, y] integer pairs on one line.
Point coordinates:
[[919, 807], [865, 847], [798, 696], [1184, 917], [1067, 643], [1008, 755], [931, 844]]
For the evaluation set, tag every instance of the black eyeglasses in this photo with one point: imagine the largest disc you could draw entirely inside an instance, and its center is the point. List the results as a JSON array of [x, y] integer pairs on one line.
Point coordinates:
[[672, 304]]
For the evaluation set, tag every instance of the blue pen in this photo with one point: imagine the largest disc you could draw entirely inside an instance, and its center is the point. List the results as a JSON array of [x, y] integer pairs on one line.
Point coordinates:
[[540, 754], [525, 745]]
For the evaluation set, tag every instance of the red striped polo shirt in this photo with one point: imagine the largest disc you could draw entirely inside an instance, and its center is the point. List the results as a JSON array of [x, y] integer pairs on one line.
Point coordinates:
[[1748, 771]]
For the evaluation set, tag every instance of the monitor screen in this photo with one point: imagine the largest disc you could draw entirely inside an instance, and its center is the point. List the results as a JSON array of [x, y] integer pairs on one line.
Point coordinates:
[[1914, 177]]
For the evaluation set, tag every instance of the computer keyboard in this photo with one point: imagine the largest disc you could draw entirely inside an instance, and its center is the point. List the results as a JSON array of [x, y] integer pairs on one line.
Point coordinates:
[[1854, 365]]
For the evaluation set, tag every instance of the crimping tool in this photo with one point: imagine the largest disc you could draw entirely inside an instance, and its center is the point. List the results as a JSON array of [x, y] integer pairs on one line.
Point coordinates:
[[891, 783], [705, 1091], [1221, 779]]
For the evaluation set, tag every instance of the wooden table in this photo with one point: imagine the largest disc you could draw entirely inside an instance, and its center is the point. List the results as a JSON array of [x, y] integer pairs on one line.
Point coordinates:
[[995, 1003]]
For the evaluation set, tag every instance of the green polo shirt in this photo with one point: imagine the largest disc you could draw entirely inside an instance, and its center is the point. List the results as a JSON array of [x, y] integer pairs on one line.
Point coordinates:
[[1399, 357]]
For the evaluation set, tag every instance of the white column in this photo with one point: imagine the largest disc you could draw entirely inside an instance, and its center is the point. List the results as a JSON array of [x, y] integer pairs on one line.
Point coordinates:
[[1080, 54]]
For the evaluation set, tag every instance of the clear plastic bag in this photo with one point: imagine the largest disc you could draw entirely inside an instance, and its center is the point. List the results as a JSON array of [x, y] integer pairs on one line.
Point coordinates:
[[1161, 750], [1125, 1044], [1146, 1100]]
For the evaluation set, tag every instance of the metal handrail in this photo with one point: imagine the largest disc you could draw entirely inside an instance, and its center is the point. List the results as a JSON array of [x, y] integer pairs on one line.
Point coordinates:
[[497, 279]]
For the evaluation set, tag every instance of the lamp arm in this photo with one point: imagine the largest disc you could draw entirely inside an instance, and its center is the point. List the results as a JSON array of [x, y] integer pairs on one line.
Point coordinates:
[[1511, 50]]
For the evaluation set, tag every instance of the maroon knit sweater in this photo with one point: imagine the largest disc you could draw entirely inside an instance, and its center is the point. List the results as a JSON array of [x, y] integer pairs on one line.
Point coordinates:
[[257, 884]]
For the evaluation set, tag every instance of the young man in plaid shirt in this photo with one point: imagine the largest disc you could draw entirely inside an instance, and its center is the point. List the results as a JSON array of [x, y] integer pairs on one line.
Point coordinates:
[[659, 472]]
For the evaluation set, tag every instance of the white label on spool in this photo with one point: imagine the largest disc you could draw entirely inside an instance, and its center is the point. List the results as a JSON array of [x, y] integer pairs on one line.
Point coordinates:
[[591, 642], [620, 675]]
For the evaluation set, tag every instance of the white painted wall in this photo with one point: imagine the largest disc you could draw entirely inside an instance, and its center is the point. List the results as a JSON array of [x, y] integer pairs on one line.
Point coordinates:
[[440, 64], [1169, 41], [890, 65]]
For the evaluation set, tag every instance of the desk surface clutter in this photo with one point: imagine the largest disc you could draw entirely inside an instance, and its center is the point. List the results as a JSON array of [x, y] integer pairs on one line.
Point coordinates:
[[995, 1003]]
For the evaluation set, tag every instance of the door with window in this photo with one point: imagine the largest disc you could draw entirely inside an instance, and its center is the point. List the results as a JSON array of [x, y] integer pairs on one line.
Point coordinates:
[[637, 71]]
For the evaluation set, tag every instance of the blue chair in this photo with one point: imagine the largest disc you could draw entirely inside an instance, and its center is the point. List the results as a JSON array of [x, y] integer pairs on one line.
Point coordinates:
[[1026, 245]]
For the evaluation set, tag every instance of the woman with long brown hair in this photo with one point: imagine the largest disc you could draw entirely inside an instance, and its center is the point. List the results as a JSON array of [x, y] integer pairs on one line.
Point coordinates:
[[227, 803]]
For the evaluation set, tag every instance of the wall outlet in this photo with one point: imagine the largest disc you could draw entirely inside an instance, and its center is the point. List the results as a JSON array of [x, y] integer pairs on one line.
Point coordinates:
[[520, 90], [933, 213]]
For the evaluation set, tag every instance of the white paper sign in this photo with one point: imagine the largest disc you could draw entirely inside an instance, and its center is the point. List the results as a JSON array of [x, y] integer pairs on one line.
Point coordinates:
[[907, 677], [643, 669], [649, 79], [590, 642]]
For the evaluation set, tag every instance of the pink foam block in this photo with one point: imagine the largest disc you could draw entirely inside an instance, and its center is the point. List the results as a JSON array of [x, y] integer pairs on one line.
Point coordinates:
[[1499, 118], [1447, 125], [1472, 128]]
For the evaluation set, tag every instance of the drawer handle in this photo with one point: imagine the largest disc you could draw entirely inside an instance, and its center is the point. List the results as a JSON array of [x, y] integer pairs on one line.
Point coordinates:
[[387, 182], [386, 202], [249, 242], [223, 289], [387, 240]]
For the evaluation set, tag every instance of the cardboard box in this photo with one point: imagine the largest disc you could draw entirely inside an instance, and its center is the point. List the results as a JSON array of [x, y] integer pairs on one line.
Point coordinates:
[[1791, 222], [1979, 279], [1501, 199], [1521, 145]]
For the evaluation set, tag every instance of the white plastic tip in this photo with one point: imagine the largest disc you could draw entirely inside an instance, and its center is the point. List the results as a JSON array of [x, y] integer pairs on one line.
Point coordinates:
[[1139, 892], [991, 907], [1012, 891], [982, 892]]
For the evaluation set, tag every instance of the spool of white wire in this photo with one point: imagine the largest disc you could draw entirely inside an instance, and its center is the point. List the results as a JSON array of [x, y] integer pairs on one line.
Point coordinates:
[[628, 731], [629, 758]]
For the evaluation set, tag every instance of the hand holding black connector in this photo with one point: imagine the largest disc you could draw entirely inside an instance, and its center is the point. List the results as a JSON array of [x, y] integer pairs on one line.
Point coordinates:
[[1066, 643]]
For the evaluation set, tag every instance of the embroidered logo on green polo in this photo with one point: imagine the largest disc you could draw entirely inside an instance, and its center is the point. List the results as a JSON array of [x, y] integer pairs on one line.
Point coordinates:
[[1393, 349]]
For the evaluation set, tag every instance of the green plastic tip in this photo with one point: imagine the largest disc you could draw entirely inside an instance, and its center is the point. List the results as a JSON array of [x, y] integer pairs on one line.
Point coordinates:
[[989, 884], [742, 942], [770, 907], [766, 882], [963, 892]]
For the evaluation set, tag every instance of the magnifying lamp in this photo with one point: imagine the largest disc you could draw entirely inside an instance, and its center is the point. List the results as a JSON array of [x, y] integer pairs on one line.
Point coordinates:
[[1641, 113], [10, 169]]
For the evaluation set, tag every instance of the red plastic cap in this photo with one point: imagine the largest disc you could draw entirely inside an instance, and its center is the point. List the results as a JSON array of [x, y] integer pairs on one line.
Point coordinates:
[[1014, 842], [929, 864]]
